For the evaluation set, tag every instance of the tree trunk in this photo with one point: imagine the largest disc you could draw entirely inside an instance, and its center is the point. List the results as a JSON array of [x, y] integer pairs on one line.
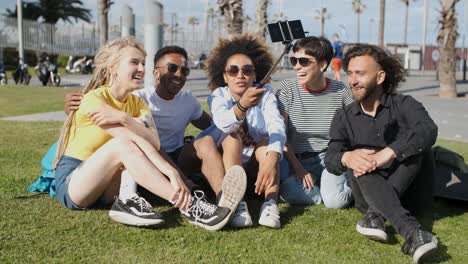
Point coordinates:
[[233, 18], [103, 23], [381, 23], [447, 36], [261, 18], [358, 27], [405, 33]]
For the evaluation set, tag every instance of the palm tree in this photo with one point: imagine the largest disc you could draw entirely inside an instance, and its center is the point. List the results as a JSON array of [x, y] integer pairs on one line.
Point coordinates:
[[321, 16], [233, 18], [193, 21], [246, 23], [54, 10], [446, 37], [405, 34], [261, 17], [381, 23], [104, 6], [358, 8]]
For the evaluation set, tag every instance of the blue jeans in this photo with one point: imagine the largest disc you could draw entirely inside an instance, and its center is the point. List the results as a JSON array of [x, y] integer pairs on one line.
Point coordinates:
[[334, 190]]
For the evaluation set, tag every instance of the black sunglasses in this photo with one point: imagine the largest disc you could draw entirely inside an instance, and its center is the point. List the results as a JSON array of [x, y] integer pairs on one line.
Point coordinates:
[[303, 61], [173, 68], [233, 70]]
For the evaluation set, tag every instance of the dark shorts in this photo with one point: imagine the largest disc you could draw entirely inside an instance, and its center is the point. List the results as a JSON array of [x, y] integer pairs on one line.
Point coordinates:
[[65, 167]]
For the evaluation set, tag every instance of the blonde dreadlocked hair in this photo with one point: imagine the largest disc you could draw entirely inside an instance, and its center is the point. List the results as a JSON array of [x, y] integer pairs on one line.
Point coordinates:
[[106, 60]]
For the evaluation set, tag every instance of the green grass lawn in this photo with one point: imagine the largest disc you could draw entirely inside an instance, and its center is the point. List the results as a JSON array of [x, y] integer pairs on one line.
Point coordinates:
[[37, 229], [23, 99]]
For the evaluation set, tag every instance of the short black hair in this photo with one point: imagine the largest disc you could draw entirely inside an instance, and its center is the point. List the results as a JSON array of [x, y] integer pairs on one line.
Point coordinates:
[[395, 73], [318, 47], [167, 50]]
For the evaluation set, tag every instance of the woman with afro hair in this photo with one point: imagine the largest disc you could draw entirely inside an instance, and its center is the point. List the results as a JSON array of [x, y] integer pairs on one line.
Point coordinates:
[[247, 123]]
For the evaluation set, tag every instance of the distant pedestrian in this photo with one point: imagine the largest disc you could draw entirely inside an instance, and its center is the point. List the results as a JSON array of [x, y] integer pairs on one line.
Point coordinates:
[[337, 55]]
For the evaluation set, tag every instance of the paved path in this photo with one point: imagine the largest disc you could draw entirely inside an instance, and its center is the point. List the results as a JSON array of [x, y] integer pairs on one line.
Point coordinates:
[[451, 115]]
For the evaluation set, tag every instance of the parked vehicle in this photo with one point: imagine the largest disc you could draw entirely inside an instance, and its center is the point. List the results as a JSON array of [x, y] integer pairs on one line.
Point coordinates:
[[3, 77], [21, 74], [82, 65], [47, 72]]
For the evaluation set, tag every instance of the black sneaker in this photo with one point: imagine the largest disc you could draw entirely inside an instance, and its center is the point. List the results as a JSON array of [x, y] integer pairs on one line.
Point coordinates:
[[205, 214], [136, 211], [372, 226], [419, 244]]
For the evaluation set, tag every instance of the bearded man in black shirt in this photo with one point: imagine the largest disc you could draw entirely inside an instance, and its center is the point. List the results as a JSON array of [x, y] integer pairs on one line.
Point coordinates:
[[381, 137]]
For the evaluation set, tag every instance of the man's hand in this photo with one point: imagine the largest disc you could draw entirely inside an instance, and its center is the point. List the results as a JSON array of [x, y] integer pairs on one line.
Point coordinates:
[[251, 97], [72, 101], [360, 161], [384, 156], [108, 115], [267, 172]]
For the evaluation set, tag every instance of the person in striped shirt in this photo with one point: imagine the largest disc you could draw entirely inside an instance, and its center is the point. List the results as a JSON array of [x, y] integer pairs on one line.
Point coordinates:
[[308, 104]]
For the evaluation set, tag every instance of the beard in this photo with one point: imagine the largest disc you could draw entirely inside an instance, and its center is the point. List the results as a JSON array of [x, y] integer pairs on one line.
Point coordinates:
[[368, 91]]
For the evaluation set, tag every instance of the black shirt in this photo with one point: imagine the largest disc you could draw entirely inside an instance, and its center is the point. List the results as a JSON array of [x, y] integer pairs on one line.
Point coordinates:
[[400, 122]]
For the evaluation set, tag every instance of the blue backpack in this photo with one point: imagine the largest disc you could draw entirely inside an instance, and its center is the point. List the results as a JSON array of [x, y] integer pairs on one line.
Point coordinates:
[[46, 181]]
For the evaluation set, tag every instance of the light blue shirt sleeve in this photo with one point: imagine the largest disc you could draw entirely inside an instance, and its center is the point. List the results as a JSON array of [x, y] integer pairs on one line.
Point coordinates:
[[221, 106], [275, 126]]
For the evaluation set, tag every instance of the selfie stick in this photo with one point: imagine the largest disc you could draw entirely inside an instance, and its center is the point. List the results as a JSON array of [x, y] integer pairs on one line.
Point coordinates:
[[287, 47]]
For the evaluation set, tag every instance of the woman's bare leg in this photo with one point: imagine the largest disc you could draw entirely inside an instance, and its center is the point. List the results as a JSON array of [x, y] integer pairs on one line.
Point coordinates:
[[91, 179], [232, 150], [272, 191]]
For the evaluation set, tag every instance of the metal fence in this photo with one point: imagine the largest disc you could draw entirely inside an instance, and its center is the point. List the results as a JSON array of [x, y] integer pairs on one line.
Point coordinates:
[[67, 39]]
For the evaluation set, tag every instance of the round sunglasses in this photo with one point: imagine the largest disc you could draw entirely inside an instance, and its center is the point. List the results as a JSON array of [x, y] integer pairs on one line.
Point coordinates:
[[233, 70], [303, 61], [173, 68]]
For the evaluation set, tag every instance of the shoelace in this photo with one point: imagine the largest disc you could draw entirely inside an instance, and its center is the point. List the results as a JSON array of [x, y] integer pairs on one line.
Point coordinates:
[[199, 205], [144, 205]]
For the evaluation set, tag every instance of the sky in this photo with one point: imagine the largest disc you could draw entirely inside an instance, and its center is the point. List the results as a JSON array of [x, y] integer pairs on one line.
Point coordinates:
[[342, 21]]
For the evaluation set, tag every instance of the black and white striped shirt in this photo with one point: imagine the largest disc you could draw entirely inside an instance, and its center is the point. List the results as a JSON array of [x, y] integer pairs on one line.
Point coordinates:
[[311, 113]]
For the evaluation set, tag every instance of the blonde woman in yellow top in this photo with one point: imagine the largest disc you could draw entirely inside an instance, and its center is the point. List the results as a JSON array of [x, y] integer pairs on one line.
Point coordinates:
[[109, 135]]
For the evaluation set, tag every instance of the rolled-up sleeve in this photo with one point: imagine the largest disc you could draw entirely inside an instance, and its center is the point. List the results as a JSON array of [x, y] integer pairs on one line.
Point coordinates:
[[223, 113], [422, 133], [274, 123], [338, 144]]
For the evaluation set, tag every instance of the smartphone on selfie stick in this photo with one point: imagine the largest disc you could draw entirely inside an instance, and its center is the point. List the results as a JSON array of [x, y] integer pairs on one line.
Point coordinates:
[[286, 32]]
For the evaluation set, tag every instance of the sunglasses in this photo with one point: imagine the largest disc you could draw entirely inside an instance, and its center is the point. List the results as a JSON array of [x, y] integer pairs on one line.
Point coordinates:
[[303, 61], [173, 68], [233, 70]]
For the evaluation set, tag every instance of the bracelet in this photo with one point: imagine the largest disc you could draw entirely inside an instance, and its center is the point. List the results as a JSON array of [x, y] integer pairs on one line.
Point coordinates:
[[243, 109]]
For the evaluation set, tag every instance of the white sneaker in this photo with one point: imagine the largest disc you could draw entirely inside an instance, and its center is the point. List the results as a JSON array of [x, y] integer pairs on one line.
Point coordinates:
[[233, 190], [269, 214], [241, 217]]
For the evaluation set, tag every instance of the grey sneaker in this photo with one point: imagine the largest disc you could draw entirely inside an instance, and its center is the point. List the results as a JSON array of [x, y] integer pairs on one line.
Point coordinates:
[[419, 244], [241, 217], [135, 211], [233, 190], [372, 226]]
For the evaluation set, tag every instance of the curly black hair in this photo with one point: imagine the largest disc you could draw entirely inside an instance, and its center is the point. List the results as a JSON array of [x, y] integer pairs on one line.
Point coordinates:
[[395, 73], [246, 44], [318, 47], [168, 50]]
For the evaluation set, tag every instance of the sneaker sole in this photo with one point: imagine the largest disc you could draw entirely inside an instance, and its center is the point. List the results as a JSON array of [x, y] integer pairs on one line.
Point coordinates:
[[371, 233], [234, 186], [131, 220], [269, 224], [425, 250]]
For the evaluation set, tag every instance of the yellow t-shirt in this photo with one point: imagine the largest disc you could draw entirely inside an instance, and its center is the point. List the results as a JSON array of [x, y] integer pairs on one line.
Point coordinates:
[[85, 137]]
